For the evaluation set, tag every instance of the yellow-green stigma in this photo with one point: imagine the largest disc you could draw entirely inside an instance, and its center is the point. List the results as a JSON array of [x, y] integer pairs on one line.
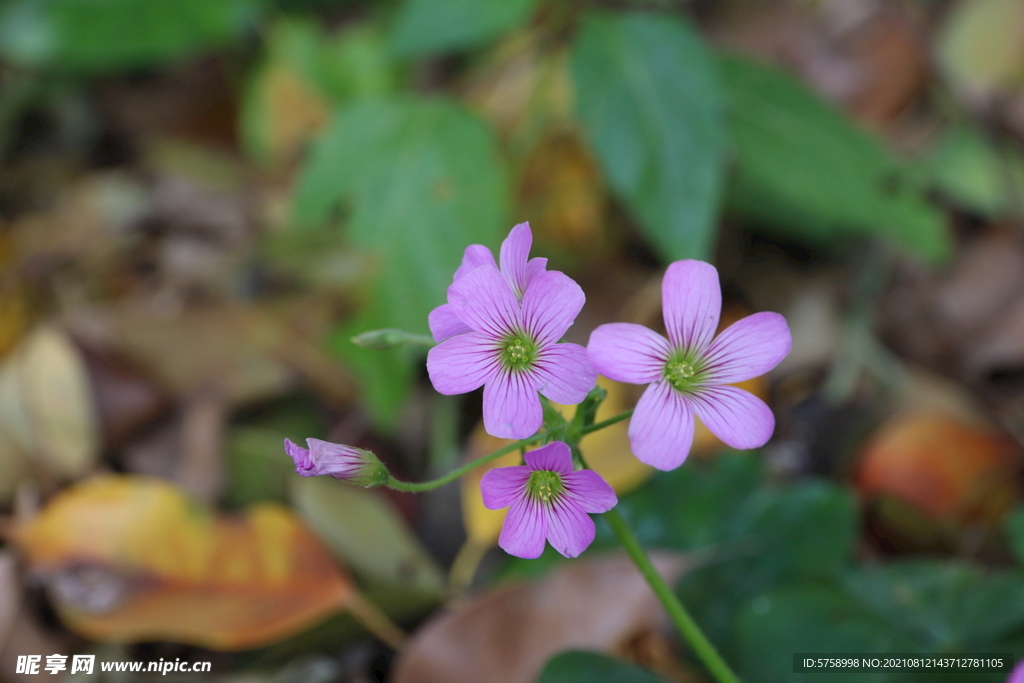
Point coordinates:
[[544, 485], [680, 374], [518, 352]]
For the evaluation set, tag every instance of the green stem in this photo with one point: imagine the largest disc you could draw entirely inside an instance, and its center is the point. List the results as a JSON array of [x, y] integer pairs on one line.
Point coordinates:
[[411, 486], [606, 423], [414, 486], [682, 619]]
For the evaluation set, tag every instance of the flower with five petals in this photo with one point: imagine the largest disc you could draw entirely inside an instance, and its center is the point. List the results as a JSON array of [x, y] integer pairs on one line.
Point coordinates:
[[691, 371]]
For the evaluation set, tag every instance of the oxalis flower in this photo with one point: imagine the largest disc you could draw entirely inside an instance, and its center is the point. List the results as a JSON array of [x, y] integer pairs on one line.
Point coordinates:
[[690, 372], [347, 463], [512, 349], [547, 499], [517, 268]]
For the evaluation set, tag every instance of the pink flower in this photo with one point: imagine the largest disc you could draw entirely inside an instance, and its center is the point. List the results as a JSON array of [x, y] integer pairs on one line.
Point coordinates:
[[688, 372], [546, 500], [517, 268], [347, 463], [512, 350], [1017, 675]]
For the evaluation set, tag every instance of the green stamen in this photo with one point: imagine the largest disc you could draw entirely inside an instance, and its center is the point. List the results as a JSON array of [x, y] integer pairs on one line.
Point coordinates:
[[544, 485], [518, 352], [682, 373]]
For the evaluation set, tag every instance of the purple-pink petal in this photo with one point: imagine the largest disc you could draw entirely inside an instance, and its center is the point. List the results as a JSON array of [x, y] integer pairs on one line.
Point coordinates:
[[555, 457], [570, 530], [661, 429], [476, 255], [534, 267], [524, 530], [748, 348], [444, 323], [691, 300], [462, 363], [483, 301], [1017, 675], [511, 406], [550, 306], [303, 462], [515, 252], [735, 416], [590, 491], [564, 373], [502, 486], [630, 353]]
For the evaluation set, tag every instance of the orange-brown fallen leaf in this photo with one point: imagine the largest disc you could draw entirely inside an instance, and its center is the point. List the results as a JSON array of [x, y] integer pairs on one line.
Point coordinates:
[[130, 558], [950, 470], [506, 635]]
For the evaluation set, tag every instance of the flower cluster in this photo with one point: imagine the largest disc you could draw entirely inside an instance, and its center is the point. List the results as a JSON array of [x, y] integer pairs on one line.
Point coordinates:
[[501, 329]]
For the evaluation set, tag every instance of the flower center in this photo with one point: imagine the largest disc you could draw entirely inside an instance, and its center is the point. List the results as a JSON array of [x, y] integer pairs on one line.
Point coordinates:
[[518, 352], [544, 485], [680, 373]]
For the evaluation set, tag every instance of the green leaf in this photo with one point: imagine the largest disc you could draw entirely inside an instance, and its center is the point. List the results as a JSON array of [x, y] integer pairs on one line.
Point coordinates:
[[105, 35], [649, 98], [590, 667], [365, 530], [968, 169], [906, 607], [1015, 530], [419, 181], [430, 26], [805, 170]]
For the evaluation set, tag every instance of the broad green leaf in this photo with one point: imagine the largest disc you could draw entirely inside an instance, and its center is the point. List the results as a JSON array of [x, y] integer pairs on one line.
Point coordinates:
[[365, 530], [419, 180], [804, 169], [431, 26], [968, 169], [591, 667], [647, 93], [906, 607], [104, 35]]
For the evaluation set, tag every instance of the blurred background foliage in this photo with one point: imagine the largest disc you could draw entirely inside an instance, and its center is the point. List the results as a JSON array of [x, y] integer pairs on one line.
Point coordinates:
[[202, 201]]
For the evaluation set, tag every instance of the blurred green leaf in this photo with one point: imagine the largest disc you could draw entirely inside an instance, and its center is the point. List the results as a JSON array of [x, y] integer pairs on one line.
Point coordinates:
[[103, 35], [967, 168], [364, 529], [924, 607], [421, 180], [649, 98], [1015, 530], [804, 169], [430, 26], [590, 667]]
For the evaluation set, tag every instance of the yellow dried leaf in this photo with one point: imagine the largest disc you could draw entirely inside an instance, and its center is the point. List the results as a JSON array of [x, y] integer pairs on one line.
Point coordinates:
[[52, 414], [130, 558]]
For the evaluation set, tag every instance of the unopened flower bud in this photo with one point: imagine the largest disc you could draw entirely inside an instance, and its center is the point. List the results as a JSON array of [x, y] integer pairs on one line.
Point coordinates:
[[347, 463]]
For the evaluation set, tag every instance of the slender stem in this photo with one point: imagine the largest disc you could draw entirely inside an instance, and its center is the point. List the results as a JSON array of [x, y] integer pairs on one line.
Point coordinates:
[[606, 423], [414, 486], [682, 619]]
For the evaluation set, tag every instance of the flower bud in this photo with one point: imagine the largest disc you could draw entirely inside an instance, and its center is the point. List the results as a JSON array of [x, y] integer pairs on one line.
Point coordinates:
[[347, 463]]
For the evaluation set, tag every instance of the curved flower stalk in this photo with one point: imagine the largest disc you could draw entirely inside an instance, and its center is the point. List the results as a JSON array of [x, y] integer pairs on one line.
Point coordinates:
[[547, 499], [512, 349], [690, 372], [346, 463], [517, 268]]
